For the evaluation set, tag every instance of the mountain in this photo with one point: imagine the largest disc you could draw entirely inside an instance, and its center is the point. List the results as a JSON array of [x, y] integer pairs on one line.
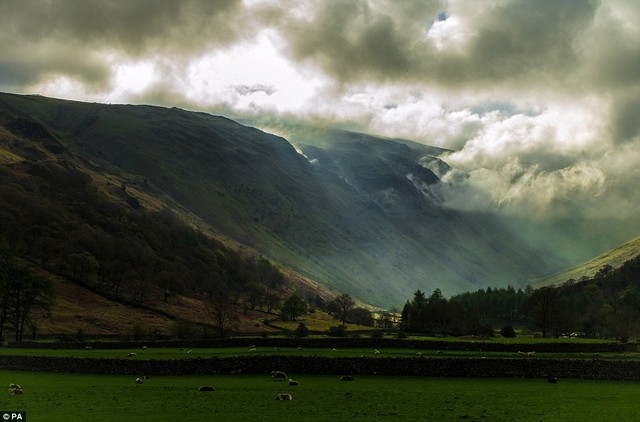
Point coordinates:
[[357, 213], [613, 258]]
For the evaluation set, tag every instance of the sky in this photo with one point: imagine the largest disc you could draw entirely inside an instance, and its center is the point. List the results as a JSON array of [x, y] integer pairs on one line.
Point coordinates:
[[539, 101]]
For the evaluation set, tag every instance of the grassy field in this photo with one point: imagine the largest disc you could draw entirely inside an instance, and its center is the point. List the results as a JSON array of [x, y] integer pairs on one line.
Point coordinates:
[[56, 397], [165, 353]]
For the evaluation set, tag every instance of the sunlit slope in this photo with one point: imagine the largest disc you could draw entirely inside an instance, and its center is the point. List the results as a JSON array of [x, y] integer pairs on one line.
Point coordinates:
[[614, 257], [357, 213]]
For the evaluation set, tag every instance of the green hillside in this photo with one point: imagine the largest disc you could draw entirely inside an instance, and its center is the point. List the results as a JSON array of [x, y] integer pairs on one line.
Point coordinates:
[[356, 213], [614, 258]]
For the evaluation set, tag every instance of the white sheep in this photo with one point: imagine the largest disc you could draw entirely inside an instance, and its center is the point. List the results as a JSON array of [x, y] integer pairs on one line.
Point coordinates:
[[138, 381], [132, 354], [279, 375], [283, 396], [293, 382], [376, 352]]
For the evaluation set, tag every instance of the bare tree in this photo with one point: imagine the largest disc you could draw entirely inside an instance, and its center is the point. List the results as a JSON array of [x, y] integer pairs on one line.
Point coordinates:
[[219, 305]]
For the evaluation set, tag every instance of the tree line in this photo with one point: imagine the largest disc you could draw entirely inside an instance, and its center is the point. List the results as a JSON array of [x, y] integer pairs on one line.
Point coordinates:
[[606, 305]]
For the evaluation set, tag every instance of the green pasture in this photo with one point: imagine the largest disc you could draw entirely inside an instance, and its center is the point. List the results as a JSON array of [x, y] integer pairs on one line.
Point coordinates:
[[169, 353], [71, 397]]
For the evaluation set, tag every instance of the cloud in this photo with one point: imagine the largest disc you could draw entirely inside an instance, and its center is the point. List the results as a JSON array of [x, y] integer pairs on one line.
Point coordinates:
[[456, 43], [67, 37], [538, 99]]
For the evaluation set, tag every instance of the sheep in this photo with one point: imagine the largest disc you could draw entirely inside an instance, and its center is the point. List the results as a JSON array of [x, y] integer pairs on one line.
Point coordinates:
[[531, 353], [138, 381], [300, 349], [279, 375], [16, 389], [189, 351], [346, 378], [521, 353], [419, 354], [292, 382], [207, 388], [334, 349], [132, 354], [144, 347], [253, 349], [283, 396], [376, 352], [88, 348]]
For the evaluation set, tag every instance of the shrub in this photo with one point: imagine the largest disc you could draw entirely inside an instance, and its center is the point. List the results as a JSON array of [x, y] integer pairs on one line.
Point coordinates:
[[338, 331], [138, 332], [508, 332], [301, 331], [377, 335]]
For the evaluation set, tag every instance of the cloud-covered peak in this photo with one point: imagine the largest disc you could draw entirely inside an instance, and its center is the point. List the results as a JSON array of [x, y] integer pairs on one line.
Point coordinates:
[[539, 99]]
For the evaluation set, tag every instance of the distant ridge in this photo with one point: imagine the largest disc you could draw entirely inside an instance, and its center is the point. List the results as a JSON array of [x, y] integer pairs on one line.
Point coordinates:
[[614, 257]]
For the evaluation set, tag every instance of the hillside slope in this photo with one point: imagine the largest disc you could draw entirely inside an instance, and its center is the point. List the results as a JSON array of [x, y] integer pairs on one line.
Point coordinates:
[[614, 257], [358, 214]]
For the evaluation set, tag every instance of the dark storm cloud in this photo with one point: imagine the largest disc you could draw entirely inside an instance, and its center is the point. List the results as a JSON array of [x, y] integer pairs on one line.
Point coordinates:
[[523, 38], [350, 40], [625, 118], [40, 38], [502, 42]]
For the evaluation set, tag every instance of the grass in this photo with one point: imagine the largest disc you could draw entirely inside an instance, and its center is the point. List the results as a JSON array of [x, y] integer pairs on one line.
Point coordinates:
[[57, 397], [165, 353]]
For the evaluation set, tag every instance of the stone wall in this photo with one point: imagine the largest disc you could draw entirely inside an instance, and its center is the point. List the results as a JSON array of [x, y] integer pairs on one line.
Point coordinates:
[[495, 345], [295, 365]]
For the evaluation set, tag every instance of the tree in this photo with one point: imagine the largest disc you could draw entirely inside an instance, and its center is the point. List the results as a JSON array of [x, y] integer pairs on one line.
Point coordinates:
[[361, 316], [344, 303], [543, 306], [417, 318], [21, 290], [385, 320], [293, 308], [404, 317], [219, 305]]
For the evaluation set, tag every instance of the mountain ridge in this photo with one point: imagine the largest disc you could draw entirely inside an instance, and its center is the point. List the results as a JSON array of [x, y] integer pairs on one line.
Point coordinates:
[[357, 213]]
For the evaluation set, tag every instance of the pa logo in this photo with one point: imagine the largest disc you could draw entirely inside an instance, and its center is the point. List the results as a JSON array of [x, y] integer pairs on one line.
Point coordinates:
[[14, 416]]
